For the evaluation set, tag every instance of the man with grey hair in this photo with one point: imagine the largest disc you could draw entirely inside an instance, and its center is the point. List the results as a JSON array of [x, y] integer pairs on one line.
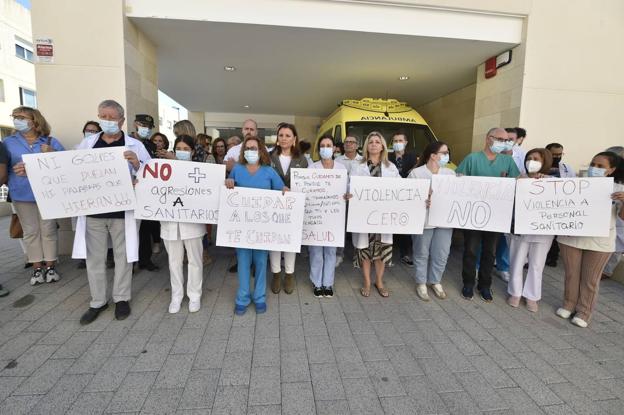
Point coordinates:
[[233, 142], [490, 162], [90, 241]]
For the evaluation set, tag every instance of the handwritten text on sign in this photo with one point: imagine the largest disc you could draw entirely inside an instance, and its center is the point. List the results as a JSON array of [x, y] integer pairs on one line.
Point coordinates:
[[387, 205], [324, 218], [80, 182], [574, 206], [471, 202], [260, 219], [179, 191]]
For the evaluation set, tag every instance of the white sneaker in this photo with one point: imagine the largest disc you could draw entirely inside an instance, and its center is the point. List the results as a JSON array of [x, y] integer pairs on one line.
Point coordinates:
[[563, 313], [51, 275], [579, 322], [339, 260], [174, 307], [438, 291], [421, 290], [37, 277], [156, 248], [503, 275], [194, 306]]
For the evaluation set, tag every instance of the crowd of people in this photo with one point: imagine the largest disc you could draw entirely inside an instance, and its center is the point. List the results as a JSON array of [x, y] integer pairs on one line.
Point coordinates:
[[116, 240]]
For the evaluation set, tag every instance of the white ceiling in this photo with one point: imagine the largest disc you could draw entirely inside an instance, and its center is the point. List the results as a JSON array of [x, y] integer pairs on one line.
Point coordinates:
[[286, 70]]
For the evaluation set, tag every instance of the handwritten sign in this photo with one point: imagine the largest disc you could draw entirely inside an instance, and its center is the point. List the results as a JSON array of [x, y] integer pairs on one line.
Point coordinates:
[[471, 202], [387, 205], [325, 207], [80, 182], [179, 191], [260, 219], [573, 206]]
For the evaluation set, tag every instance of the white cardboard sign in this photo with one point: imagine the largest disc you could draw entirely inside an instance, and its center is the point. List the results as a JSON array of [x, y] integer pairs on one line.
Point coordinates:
[[472, 202], [260, 219], [325, 207], [387, 205], [80, 182], [179, 191], [579, 206]]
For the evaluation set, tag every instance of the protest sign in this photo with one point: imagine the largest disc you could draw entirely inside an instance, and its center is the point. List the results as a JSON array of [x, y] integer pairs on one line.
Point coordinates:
[[387, 205], [325, 207], [80, 182], [179, 191], [567, 206], [472, 202], [260, 219]]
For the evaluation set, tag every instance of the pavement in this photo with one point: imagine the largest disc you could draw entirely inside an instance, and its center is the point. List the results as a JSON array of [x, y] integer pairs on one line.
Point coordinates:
[[347, 354]]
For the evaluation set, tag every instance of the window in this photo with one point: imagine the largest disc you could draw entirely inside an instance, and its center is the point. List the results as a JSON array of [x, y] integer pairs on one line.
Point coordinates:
[[1, 90], [338, 133], [418, 136], [23, 49], [28, 98]]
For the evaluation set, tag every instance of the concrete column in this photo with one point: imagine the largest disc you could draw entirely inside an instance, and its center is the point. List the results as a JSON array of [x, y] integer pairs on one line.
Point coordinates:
[[198, 119]]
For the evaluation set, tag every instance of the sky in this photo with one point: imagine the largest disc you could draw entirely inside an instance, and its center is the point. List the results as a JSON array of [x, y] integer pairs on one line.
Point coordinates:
[[25, 3]]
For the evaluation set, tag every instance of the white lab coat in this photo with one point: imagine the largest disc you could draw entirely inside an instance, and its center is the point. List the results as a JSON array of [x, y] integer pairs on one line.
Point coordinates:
[[360, 240], [180, 231], [131, 228]]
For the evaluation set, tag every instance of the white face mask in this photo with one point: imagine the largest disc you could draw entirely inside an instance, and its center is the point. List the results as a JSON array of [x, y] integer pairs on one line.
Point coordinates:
[[183, 155], [398, 146], [533, 166], [143, 132], [326, 152], [251, 156]]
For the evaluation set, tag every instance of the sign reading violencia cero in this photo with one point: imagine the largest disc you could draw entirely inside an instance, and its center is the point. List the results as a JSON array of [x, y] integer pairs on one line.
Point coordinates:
[[260, 219], [179, 191]]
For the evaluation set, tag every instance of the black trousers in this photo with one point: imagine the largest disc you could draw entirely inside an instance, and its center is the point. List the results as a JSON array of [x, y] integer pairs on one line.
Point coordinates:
[[486, 242], [148, 232], [404, 242], [553, 253]]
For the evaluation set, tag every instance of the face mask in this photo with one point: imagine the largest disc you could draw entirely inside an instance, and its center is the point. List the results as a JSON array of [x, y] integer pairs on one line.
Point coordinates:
[[556, 161], [326, 152], [509, 145], [498, 147], [444, 159], [596, 172], [183, 155], [533, 166], [143, 132], [109, 127], [21, 125], [251, 156], [87, 135], [398, 146]]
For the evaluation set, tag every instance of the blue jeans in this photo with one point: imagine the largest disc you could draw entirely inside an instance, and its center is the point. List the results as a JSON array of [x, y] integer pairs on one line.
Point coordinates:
[[322, 265], [245, 257], [431, 251], [502, 254]]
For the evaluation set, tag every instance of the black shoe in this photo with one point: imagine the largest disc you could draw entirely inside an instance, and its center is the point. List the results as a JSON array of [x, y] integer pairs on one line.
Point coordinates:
[[3, 292], [91, 314], [318, 292], [551, 262], [486, 295], [122, 310], [407, 261], [467, 293], [82, 264], [233, 268], [328, 292], [150, 266], [27, 265]]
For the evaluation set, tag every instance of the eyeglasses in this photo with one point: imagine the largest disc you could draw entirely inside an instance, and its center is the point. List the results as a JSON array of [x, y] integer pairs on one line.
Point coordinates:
[[20, 117], [500, 139], [251, 148], [350, 142]]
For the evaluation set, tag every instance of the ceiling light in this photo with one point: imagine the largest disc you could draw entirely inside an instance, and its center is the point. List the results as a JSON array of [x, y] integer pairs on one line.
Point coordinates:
[[403, 78], [229, 68], [245, 106]]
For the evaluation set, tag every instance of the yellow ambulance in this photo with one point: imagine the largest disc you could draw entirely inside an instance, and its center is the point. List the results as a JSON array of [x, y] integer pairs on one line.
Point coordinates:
[[358, 117]]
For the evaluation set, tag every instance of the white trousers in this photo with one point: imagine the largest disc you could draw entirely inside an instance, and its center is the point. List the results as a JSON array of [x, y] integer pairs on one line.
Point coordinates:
[[289, 261], [194, 250], [537, 251]]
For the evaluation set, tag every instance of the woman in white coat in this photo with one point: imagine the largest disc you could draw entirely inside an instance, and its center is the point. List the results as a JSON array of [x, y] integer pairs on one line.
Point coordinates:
[[178, 236], [375, 248]]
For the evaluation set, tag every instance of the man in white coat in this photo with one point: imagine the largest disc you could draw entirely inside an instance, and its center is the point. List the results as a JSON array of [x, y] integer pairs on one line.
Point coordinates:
[[91, 239]]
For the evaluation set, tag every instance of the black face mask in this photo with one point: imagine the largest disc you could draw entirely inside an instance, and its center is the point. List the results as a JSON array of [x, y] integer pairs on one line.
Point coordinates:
[[556, 161]]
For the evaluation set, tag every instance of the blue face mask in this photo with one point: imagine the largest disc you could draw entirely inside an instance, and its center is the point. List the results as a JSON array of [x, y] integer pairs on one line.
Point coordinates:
[[444, 159], [251, 156], [398, 146], [596, 172], [510, 145], [143, 132], [109, 127], [183, 155], [326, 152], [498, 147], [21, 125]]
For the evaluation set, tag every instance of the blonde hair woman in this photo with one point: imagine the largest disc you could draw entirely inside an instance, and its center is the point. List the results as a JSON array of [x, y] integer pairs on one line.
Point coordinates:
[[185, 127], [374, 248]]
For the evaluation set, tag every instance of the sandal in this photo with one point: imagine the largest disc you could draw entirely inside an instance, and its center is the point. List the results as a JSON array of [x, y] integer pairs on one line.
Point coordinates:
[[382, 291], [365, 291]]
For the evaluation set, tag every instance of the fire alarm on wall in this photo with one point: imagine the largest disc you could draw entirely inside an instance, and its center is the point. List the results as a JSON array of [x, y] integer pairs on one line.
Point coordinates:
[[495, 62]]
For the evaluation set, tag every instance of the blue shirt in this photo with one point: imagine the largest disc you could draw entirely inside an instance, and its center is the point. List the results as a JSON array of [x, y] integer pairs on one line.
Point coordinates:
[[265, 178], [16, 145]]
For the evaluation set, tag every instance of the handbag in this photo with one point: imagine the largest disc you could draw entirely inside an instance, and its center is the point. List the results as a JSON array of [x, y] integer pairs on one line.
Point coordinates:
[[15, 228]]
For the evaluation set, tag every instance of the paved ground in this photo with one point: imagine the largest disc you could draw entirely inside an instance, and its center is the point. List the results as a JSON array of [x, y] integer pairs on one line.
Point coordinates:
[[330, 356]]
